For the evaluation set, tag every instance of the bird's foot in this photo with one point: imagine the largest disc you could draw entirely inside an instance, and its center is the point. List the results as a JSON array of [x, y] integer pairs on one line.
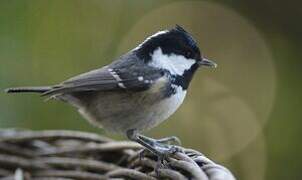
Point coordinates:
[[167, 141], [162, 152], [160, 148], [163, 155]]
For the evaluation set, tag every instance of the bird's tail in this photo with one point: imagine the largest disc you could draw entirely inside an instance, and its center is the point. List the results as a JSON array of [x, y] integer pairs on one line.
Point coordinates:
[[40, 89]]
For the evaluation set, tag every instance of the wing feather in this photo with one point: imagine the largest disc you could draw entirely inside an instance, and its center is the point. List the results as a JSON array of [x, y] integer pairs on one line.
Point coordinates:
[[108, 79]]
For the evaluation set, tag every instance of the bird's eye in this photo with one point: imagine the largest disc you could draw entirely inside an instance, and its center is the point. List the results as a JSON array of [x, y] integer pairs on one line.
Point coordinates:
[[188, 54]]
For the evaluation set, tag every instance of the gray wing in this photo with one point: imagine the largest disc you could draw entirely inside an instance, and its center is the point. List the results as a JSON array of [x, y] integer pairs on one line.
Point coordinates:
[[130, 75]]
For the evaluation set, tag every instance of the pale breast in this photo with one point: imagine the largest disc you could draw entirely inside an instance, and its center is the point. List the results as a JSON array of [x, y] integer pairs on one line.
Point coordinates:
[[165, 108], [119, 112]]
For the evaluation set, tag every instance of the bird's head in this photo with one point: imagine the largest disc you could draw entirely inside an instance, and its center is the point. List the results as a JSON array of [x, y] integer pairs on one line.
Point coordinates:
[[174, 50]]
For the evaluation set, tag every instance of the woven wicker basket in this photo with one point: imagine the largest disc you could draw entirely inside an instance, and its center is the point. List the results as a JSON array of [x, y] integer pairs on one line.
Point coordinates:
[[77, 155]]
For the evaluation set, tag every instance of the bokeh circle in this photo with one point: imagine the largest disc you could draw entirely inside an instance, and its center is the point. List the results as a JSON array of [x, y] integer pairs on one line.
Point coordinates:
[[226, 108]]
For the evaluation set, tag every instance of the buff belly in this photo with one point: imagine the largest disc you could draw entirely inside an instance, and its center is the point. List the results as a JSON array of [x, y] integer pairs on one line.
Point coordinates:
[[120, 112]]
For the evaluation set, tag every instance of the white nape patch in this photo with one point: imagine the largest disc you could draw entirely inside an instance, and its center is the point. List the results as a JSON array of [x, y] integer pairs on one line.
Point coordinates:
[[117, 78], [175, 64], [148, 38]]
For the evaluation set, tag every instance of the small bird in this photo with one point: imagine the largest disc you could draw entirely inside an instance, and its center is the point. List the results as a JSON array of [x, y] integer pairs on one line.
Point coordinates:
[[137, 91]]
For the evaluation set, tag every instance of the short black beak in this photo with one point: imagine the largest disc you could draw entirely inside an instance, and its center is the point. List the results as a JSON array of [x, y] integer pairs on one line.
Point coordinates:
[[207, 62]]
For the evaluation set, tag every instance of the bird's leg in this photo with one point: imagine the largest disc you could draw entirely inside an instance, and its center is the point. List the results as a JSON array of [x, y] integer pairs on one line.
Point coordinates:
[[134, 136], [156, 147], [163, 145]]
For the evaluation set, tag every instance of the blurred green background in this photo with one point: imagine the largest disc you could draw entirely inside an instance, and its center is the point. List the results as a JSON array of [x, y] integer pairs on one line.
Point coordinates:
[[245, 114]]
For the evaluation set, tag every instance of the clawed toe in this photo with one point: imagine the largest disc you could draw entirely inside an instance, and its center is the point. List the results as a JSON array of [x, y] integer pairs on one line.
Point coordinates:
[[141, 154], [164, 153], [175, 149]]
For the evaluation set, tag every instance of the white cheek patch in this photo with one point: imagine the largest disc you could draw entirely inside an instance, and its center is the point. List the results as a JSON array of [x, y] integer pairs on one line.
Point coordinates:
[[176, 64]]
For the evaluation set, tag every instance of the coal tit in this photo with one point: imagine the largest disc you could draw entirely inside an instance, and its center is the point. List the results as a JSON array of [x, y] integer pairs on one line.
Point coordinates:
[[137, 91]]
